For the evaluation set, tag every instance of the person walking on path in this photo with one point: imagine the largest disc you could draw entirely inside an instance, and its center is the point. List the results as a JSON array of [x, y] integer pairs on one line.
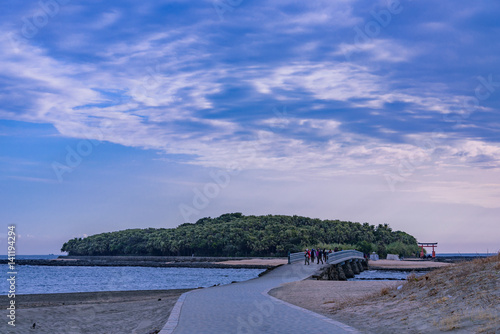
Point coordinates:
[[325, 254], [307, 256], [312, 255], [319, 255]]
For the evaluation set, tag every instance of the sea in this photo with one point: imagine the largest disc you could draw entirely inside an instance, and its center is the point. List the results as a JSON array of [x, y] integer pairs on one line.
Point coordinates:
[[384, 275], [464, 254], [64, 279]]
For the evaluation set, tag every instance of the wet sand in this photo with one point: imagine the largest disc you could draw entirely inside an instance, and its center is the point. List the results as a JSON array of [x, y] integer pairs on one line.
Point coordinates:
[[406, 265]]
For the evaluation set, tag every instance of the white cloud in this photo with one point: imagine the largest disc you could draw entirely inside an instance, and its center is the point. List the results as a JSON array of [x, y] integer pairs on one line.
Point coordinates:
[[105, 20], [158, 103], [379, 50], [160, 112], [328, 81]]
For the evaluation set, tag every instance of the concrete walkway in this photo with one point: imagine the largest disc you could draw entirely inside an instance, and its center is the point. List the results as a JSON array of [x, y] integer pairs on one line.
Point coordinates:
[[246, 308]]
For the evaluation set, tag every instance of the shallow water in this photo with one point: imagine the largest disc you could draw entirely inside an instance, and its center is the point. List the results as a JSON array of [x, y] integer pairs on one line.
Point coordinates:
[[54, 279], [384, 275]]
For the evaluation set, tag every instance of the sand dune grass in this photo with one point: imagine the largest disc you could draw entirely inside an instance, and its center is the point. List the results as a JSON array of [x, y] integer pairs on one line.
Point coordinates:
[[464, 297]]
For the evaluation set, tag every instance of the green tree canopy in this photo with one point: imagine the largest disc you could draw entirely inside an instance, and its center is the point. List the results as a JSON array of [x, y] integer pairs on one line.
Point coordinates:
[[234, 234]]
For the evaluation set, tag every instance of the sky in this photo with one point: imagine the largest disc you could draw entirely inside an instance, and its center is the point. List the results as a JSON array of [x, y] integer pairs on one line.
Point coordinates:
[[123, 114]]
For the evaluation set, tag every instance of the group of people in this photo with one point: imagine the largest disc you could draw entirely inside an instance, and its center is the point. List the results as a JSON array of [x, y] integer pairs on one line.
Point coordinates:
[[319, 254]]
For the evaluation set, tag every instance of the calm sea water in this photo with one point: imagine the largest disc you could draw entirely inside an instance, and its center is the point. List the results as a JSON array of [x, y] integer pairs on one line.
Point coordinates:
[[48, 279], [383, 275], [464, 254], [53, 279]]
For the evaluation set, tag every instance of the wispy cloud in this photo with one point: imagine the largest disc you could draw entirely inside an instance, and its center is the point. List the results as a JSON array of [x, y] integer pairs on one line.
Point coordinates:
[[162, 90], [32, 179]]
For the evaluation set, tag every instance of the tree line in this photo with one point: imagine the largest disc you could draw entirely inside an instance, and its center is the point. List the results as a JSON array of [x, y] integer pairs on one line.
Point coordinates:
[[234, 234]]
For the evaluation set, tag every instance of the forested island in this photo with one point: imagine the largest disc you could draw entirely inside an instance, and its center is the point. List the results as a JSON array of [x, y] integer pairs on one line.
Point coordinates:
[[234, 234]]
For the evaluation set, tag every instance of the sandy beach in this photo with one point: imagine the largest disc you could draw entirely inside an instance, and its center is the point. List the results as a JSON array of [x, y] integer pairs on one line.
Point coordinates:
[[321, 296], [461, 298], [137, 312]]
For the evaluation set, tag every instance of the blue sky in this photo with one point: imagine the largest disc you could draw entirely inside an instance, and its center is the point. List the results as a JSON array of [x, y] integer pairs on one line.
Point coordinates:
[[118, 115]]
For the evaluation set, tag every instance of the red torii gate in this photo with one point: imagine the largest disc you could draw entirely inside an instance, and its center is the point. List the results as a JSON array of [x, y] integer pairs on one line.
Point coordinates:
[[427, 244]]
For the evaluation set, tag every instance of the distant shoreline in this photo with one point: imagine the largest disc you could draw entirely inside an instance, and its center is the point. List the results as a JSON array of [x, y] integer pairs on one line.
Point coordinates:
[[205, 262], [155, 261]]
